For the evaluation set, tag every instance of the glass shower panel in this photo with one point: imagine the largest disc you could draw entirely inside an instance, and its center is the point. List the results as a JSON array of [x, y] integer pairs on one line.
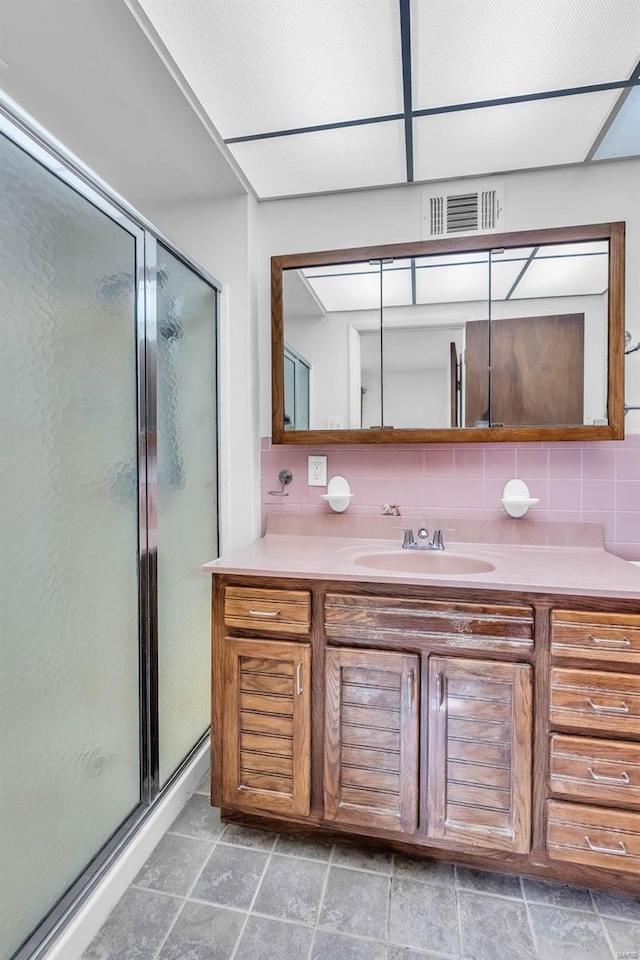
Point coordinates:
[[69, 684], [187, 503]]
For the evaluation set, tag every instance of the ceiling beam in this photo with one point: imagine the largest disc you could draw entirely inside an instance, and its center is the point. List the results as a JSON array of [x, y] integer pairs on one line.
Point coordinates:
[[337, 125], [527, 97], [522, 272], [624, 85], [405, 43]]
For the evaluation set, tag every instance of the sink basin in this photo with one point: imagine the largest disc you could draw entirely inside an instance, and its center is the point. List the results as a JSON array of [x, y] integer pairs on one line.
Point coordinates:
[[431, 563]]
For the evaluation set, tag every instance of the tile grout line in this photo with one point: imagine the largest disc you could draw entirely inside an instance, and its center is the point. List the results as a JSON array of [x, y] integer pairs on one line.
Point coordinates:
[[321, 901], [188, 836], [389, 897], [290, 856], [534, 939], [255, 896], [456, 891], [488, 893], [186, 897], [614, 953]]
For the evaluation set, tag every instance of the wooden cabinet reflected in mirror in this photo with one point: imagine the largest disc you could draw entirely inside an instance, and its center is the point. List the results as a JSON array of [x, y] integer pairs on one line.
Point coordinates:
[[517, 335], [538, 375]]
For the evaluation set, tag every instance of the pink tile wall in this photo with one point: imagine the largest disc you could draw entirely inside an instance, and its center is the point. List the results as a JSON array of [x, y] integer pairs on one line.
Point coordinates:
[[593, 481]]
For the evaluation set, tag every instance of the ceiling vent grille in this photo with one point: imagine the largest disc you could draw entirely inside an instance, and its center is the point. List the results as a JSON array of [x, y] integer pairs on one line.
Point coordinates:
[[455, 213]]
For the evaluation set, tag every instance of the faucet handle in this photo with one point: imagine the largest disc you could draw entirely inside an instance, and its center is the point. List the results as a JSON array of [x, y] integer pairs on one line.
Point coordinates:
[[408, 540], [438, 541]]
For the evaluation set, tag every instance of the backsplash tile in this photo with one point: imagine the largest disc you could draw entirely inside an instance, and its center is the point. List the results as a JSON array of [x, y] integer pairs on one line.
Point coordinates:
[[598, 481]]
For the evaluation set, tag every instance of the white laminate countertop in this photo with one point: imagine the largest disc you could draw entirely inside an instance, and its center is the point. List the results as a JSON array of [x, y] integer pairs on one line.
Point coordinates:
[[571, 568]]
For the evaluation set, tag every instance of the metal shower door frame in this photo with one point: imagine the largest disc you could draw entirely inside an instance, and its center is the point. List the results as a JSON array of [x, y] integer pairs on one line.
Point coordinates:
[[23, 131]]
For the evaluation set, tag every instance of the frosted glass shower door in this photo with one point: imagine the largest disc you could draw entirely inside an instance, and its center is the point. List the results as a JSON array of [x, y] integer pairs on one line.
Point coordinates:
[[187, 503], [69, 675]]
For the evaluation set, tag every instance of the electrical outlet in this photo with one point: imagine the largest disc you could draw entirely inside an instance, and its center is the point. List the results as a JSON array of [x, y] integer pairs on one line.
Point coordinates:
[[317, 471], [335, 423]]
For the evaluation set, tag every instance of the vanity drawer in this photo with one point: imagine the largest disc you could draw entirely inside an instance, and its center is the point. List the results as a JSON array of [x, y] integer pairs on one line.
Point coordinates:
[[614, 637], [274, 611], [594, 836], [444, 624], [605, 771], [588, 700]]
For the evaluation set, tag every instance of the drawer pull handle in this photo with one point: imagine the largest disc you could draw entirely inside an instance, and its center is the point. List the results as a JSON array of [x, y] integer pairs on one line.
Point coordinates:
[[601, 778], [614, 851], [269, 614], [299, 679], [614, 641], [604, 708]]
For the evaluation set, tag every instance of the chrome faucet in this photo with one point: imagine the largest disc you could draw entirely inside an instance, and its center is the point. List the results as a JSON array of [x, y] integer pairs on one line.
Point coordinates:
[[423, 542]]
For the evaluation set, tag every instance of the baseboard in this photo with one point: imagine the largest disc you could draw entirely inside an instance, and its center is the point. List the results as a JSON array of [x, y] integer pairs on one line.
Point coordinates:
[[76, 936]]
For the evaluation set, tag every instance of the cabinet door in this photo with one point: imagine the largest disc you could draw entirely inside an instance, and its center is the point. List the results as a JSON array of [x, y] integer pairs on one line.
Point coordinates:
[[479, 762], [371, 739], [266, 717]]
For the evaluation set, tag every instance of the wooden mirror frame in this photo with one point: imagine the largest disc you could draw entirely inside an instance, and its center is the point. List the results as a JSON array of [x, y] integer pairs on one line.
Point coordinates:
[[614, 430]]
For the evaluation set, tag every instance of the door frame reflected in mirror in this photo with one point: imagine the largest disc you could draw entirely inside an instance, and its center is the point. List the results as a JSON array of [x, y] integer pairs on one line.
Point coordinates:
[[614, 233]]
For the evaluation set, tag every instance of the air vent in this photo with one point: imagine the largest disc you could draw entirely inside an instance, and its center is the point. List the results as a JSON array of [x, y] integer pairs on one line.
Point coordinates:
[[457, 213]]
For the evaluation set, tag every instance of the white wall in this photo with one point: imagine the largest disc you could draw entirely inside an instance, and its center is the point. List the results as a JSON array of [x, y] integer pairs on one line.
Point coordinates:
[[412, 400], [325, 344], [91, 77], [221, 236], [592, 193]]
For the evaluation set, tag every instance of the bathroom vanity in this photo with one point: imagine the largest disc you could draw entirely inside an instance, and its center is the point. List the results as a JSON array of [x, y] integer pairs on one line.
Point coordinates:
[[490, 717]]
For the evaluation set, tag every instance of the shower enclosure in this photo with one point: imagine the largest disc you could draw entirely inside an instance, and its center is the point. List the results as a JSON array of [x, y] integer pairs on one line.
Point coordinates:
[[108, 435]]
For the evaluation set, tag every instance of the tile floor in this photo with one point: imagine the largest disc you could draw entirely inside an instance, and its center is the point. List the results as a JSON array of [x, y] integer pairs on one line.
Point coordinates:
[[210, 892]]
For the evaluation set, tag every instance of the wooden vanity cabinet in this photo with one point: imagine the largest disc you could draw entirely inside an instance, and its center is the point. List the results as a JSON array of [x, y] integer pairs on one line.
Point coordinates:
[[267, 726], [499, 731], [371, 739], [479, 755]]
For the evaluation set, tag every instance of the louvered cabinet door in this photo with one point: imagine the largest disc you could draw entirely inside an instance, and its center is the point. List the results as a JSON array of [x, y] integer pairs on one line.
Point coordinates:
[[479, 762], [267, 728], [371, 739]]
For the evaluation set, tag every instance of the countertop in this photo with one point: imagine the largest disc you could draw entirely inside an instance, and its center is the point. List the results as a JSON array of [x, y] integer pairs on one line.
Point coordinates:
[[571, 568]]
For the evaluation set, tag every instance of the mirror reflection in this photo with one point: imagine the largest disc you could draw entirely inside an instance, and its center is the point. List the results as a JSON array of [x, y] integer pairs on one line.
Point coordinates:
[[515, 336]]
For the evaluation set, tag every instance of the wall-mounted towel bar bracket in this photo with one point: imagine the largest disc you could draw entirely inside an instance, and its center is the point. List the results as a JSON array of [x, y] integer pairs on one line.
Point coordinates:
[[285, 477]]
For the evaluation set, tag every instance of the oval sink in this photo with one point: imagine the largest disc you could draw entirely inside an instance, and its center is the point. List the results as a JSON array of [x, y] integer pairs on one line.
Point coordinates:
[[431, 563]]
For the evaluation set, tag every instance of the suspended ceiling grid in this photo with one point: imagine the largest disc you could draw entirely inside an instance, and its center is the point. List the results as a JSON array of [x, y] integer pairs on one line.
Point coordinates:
[[313, 96], [518, 273]]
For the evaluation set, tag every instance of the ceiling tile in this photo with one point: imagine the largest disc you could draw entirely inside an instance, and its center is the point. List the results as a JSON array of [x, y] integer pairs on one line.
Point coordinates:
[[563, 276], [258, 66], [342, 159], [360, 290], [465, 52], [622, 139], [439, 280], [510, 137]]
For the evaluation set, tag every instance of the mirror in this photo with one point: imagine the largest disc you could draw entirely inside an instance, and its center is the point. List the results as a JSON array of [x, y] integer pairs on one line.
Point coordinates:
[[440, 340]]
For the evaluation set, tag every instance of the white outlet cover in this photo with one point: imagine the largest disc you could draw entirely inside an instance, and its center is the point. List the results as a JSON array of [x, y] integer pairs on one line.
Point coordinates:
[[317, 471]]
